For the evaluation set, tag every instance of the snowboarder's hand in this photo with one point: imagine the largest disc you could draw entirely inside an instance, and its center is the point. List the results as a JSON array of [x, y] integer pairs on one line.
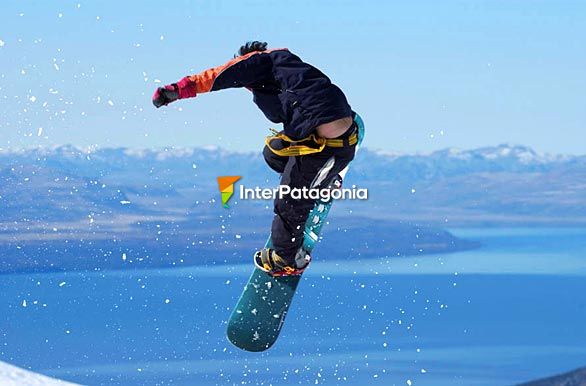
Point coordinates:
[[165, 95]]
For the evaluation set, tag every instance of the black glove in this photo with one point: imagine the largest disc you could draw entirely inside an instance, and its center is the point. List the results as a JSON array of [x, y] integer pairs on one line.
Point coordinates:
[[165, 95]]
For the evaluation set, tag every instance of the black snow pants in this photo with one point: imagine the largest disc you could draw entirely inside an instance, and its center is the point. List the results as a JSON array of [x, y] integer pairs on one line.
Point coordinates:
[[297, 172]]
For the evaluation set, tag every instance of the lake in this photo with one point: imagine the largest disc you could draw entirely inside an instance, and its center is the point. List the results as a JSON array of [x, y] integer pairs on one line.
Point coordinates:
[[511, 311]]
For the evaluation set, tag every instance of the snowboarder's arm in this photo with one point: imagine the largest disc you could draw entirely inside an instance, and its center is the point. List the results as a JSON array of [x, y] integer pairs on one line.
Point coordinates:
[[242, 71]]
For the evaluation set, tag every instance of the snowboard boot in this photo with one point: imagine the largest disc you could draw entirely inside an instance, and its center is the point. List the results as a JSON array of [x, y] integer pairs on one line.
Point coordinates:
[[269, 261]]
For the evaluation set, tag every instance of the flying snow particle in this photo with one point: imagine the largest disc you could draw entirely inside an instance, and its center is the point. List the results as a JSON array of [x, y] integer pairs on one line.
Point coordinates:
[[56, 66], [125, 202], [412, 190], [162, 37], [1, 43], [124, 257], [423, 371], [32, 99], [167, 301], [62, 284], [24, 303], [409, 383], [238, 236], [40, 132], [111, 103]]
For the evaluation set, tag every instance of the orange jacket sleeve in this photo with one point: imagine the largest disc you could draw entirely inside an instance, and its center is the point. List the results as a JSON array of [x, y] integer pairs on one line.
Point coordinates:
[[242, 71]]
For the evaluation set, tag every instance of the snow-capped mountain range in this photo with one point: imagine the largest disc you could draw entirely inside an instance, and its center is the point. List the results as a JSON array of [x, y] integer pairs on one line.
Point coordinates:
[[512, 154], [162, 204], [504, 183], [212, 160]]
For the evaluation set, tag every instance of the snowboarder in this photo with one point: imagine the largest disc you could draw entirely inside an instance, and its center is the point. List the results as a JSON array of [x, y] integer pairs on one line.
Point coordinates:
[[318, 139]]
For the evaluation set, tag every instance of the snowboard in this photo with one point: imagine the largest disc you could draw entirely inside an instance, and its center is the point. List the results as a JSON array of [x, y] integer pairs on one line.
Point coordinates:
[[257, 319]]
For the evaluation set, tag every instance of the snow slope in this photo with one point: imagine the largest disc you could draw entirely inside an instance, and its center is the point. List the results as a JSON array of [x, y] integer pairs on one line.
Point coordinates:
[[15, 376]]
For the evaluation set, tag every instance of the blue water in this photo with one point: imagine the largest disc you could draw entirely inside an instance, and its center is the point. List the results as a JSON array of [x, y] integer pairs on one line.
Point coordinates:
[[511, 311]]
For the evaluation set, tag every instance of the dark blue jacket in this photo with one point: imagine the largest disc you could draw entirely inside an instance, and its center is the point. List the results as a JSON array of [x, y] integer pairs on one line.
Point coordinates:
[[285, 88]]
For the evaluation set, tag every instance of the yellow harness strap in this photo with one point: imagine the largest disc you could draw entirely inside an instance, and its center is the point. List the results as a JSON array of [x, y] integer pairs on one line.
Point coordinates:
[[296, 150]]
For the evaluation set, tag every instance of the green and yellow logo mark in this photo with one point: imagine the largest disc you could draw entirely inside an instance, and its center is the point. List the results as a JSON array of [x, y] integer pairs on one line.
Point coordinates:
[[226, 185]]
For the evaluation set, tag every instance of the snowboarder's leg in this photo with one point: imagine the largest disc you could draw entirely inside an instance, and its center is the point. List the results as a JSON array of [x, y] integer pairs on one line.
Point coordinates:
[[311, 171]]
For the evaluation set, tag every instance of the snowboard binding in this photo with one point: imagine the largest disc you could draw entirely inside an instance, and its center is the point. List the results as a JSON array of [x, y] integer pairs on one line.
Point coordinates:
[[270, 262]]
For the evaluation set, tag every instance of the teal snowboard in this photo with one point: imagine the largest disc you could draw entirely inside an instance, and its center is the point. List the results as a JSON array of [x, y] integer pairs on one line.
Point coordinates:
[[258, 317]]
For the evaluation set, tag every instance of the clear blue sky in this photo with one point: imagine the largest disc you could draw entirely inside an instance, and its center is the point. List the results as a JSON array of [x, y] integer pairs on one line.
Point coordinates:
[[425, 75]]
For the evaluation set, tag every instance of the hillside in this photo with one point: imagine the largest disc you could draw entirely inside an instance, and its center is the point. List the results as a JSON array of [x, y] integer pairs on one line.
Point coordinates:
[[572, 378]]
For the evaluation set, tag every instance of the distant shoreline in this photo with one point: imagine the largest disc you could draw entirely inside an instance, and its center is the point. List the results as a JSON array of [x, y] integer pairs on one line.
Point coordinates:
[[75, 253]]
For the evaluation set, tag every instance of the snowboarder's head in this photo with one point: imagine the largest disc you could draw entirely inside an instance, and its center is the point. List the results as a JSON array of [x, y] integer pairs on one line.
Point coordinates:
[[251, 47]]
